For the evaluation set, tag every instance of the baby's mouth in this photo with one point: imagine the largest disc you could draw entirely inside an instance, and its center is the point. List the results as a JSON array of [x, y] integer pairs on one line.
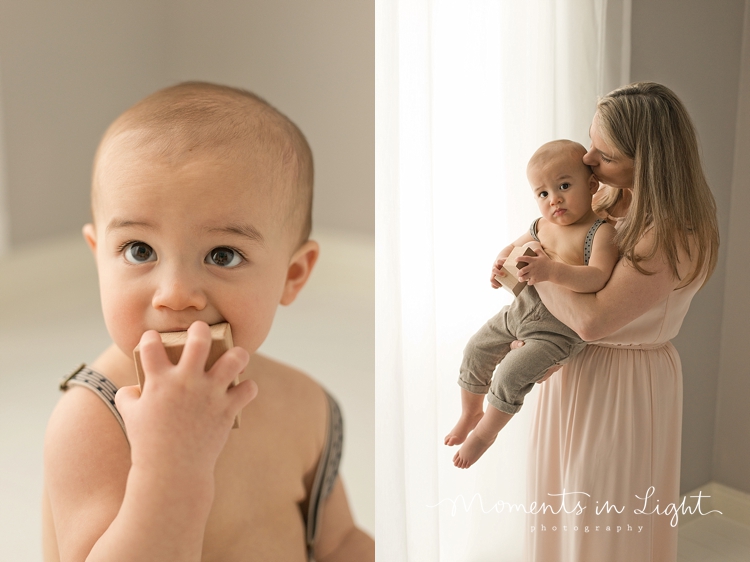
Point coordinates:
[[559, 212], [184, 327]]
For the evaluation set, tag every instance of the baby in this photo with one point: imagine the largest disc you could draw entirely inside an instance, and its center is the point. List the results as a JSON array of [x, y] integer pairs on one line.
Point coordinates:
[[575, 249], [201, 203]]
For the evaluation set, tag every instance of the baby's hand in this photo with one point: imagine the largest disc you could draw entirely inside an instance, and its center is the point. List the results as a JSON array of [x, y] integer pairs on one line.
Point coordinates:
[[497, 271], [539, 268], [180, 422]]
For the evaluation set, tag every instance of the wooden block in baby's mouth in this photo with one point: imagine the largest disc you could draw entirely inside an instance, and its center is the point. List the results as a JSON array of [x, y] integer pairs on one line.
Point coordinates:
[[511, 266], [174, 342]]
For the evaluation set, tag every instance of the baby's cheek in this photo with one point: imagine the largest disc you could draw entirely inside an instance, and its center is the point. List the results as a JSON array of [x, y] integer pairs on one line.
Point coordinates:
[[251, 321], [124, 314]]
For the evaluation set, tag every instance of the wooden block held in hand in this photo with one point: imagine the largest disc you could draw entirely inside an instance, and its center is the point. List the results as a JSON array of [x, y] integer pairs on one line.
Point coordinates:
[[174, 342], [511, 267]]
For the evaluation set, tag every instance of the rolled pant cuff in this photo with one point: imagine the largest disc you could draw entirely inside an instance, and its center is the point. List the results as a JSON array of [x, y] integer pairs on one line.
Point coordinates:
[[474, 388], [502, 405]]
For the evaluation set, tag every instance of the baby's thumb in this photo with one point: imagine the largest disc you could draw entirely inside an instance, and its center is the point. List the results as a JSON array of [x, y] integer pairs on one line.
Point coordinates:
[[125, 397]]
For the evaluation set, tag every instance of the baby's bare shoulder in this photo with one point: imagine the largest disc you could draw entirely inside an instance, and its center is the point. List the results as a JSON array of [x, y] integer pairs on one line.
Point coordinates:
[[606, 229], [286, 391], [86, 462], [81, 421], [296, 384]]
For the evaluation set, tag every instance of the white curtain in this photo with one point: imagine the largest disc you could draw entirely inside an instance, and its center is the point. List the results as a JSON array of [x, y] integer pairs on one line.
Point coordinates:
[[4, 212], [465, 92]]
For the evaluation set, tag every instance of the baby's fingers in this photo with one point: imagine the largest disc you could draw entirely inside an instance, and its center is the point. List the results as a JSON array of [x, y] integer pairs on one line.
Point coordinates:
[[153, 355], [241, 395], [197, 346], [125, 397], [523, 272], [229, 366]]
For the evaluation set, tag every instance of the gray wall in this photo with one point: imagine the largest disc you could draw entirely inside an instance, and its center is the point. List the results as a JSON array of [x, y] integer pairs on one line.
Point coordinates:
[[732, 435], [70, 67], [326, 52], [693, 47]]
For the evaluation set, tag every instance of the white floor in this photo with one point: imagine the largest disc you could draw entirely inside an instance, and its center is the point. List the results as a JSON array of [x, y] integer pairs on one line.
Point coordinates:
[[713, 538], [50, 321]]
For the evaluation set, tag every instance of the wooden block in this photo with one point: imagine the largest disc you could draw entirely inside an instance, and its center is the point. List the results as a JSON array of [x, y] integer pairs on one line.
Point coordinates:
[[511, 267], [174, 342]]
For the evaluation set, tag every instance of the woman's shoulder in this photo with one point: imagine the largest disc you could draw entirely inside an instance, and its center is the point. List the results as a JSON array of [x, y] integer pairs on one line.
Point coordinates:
[[655, 256]]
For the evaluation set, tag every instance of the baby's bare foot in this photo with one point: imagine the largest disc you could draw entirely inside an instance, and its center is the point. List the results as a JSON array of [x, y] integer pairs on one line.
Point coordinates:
[[475, 446], [465, 424]]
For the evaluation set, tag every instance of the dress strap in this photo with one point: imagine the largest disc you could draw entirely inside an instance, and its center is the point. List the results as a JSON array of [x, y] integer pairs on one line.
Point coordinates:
[[98, 384], [325, 475], [532, 229], [589, 243]]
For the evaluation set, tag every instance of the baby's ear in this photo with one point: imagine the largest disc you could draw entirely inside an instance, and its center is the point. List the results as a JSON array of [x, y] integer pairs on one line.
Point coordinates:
[[593, 183], [89, 234], [300, 267]]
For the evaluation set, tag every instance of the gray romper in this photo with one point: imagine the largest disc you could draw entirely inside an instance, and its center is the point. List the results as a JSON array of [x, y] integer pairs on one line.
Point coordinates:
[[547, 342], [325, 474]]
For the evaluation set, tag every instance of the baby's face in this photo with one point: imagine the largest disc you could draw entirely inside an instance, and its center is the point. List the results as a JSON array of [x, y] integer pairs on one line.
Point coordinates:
[[563, 188], [195, 239]]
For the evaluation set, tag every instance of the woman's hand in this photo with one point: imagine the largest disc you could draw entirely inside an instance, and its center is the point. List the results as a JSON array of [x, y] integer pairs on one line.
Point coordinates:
[[518, 343]]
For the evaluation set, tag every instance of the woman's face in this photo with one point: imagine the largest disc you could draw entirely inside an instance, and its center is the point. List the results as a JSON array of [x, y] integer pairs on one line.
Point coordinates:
[[608, 164]]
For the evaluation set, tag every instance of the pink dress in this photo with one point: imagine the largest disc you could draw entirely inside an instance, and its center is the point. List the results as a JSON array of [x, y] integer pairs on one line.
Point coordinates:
[[609, 425]]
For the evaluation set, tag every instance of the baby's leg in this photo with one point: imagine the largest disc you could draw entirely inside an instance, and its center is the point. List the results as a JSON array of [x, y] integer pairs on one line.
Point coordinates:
[[482, 437], [483, 352], [471, 412], [513, 379]]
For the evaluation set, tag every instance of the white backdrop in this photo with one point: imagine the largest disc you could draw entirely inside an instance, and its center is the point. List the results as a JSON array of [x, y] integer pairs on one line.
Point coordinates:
[[465, 92]]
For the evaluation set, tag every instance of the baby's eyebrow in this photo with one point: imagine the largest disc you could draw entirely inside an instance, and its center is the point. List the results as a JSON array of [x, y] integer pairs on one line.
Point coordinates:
[[122, 223], [246, 230]]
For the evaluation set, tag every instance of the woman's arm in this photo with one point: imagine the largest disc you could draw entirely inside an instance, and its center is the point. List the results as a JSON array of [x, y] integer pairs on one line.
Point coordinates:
[[626, 296]]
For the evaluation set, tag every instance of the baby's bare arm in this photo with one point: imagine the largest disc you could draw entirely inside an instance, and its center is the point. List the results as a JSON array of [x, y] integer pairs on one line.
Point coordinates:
[[340, 539], [152, 502], [579, 278]]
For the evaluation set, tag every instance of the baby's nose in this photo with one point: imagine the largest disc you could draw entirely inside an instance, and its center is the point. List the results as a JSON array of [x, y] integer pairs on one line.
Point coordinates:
[[177, 291]]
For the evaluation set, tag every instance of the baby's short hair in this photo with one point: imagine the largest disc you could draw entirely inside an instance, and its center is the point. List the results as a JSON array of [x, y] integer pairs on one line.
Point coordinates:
[[557, 147], [195, 115]]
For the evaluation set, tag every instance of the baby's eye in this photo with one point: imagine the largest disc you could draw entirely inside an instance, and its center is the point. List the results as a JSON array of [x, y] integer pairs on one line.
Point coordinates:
[[139, 252], [564, 186], [542, 194], [224, 257]]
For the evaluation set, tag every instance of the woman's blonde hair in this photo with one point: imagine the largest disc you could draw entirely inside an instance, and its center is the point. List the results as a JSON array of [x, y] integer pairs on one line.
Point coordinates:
[[648, 123]]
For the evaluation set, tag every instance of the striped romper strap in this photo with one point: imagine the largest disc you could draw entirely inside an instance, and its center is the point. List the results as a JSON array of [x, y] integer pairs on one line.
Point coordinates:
[[589, 242], [325, 475], [99, 384]]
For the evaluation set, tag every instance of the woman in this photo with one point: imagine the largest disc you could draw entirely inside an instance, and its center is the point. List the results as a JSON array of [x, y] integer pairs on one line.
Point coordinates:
[[607, 428]]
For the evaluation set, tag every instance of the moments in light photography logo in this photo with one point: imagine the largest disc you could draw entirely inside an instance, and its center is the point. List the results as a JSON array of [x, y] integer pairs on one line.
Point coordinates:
[[576, 503]]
